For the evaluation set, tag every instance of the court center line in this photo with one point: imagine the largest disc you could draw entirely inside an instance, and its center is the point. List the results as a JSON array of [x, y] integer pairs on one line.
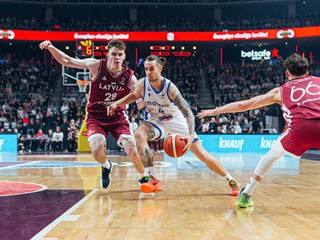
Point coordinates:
[[23, 164], [47, 229]]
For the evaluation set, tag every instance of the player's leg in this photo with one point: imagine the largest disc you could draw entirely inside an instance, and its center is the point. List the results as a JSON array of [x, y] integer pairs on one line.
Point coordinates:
[[121, 132], [215, 165], [264, 165], [97, 142], [144, 133], [180, 126], [288, 143], [127, 141]]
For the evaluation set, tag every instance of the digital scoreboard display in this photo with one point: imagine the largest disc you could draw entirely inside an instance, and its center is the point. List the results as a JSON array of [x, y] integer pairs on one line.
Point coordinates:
[[84, 49]]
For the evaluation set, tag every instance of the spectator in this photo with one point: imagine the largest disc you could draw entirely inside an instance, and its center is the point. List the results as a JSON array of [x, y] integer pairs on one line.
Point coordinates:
[[212, 125], [64, 108], [41, 140], [205, 126], [133, 124], [237, 128], [57, 140], [71, 143], [273, 130]]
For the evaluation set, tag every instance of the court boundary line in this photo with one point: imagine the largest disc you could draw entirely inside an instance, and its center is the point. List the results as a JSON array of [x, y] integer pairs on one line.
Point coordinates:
[[61, 218], [23, 164]]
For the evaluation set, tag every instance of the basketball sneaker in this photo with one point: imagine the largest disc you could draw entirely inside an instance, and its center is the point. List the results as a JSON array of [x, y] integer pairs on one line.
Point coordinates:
[[156, 183], [244, 200], [105, 179], [150, 184], [235, 187]]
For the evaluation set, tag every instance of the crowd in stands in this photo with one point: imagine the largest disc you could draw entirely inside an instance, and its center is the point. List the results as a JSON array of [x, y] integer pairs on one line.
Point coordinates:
[[26, 86], [43, 125], [233, 82], [176, 23]]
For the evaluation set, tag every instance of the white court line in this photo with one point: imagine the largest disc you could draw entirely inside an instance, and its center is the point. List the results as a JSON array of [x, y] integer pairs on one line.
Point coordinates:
[[55, 156], [65, 215], [23, 164]]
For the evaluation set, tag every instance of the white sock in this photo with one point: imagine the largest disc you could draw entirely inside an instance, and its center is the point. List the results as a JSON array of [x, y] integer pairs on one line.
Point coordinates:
[[106, 164], [141, 175], [228, 176], [252, 184], [149, 171]]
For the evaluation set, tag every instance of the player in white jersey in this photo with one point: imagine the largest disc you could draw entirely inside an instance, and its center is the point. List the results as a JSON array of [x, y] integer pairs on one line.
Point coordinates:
[[166, 112], [162, 113]]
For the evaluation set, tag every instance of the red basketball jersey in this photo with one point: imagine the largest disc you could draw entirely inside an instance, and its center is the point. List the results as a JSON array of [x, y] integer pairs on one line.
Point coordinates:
[[301, 99], [107, 88]]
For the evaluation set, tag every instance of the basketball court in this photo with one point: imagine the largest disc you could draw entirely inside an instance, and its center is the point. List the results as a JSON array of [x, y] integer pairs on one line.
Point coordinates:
[[58, 197]]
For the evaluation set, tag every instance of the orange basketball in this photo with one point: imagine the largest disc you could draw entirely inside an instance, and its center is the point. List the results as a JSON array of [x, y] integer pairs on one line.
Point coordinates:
[[173, 145]]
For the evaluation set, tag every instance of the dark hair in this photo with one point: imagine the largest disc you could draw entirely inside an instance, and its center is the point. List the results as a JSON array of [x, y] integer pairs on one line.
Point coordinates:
[[296, 65], [117, 43], [159, 60]]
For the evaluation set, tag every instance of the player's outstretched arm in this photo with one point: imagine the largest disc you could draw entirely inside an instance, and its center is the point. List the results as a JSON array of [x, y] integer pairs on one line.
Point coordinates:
[[133, 83], [184, 107], [273, 96], [66, 60], [131, 97]]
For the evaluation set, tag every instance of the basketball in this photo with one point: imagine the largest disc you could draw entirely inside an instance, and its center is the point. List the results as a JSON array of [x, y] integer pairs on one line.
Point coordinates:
[[173, 145]]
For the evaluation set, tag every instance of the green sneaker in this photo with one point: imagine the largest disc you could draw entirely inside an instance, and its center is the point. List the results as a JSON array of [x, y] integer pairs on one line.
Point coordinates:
[[244, 200]]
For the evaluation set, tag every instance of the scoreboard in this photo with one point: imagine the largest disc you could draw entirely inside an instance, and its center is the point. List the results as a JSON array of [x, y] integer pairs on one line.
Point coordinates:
[[87, 49], [84, 49]]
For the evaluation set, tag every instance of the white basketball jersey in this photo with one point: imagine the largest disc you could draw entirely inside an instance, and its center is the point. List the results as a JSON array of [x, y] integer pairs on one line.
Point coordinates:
[[158, 104]]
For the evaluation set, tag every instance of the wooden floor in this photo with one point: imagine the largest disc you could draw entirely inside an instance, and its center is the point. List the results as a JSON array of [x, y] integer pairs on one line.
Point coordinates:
[[194, 204]]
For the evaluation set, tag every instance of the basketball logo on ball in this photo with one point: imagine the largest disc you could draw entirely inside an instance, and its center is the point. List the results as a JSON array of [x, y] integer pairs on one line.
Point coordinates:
[[173, 145]]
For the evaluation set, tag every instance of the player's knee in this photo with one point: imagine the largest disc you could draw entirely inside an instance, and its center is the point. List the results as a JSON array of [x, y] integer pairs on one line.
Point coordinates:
[[97, 144], [139, 136]]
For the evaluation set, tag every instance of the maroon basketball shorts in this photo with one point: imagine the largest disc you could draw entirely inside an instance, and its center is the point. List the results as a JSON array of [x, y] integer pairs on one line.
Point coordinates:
[[301, 136], [115, 126]]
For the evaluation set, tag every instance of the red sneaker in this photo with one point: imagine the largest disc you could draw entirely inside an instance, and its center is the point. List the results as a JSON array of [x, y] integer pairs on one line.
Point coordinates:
[[156, 183], [150, 184], [146, 186], [235, 187]]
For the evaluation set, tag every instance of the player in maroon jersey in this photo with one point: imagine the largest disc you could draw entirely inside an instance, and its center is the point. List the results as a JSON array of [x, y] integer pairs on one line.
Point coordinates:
[[299, 98], [110, 80]]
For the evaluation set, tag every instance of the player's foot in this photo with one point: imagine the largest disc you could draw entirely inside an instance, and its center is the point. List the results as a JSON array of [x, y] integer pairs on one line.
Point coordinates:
[[146, 186], [156, 183], [105, 179], [235, 187], [150, 184], [244, 200]]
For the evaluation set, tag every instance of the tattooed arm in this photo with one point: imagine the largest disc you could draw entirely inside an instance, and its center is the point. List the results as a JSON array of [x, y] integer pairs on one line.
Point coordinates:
[[184, 107]]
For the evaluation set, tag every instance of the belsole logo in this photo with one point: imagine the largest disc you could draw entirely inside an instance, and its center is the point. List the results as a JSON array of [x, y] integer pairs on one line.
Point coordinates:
[[256, 55], [233, 144]]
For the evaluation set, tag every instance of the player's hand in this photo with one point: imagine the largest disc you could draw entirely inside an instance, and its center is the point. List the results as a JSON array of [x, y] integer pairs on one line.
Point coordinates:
[[111, 109], [45, 45], [206, 113], [189, 141], [141, 104]]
